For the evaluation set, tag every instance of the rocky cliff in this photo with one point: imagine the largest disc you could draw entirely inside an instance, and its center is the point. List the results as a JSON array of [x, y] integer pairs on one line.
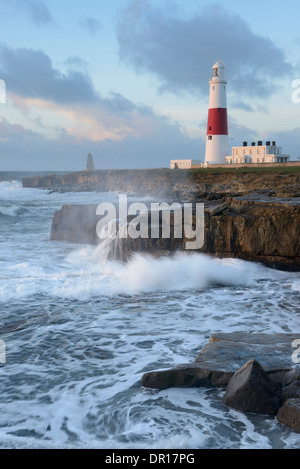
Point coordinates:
[[177, 184], [252, 215], [266, 232]]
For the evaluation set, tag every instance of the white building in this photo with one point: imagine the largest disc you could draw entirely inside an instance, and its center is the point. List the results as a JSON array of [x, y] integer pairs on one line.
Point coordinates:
[[183, 164], [268, 153]]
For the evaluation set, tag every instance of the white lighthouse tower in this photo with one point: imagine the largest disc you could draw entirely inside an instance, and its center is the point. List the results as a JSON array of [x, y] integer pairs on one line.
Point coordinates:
[[217, 125]]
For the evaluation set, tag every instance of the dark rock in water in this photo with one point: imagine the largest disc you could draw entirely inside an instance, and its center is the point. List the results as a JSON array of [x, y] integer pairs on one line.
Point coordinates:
[[223, 356], [75, 224], [252, 368], [272, 351], [251, 390], [292, 375], [289, 414], [291, 391], [187, 375]]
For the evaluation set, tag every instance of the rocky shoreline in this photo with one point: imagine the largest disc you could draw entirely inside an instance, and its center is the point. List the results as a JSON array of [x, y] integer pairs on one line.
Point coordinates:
[[182, 185], [256, 372], [244, 228], [252, 216]]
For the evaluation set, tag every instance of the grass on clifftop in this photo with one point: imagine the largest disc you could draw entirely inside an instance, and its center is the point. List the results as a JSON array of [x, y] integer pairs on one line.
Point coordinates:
[[279, 170]]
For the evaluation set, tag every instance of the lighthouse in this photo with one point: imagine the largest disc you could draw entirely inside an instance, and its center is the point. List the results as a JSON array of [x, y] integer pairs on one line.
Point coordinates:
[[217, 126]]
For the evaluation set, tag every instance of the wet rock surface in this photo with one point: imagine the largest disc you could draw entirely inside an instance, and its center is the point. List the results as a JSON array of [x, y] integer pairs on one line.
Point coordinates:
[[260, 232], [251, 390], [252, 370], [249, 215], [289, 414], [225, 353]]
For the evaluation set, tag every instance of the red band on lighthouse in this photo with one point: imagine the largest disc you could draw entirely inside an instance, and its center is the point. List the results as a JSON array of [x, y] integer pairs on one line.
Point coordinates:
[[217, 122]]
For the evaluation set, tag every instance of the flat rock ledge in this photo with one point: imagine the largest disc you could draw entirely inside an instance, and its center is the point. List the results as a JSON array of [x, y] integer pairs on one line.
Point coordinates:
[[256, 371]]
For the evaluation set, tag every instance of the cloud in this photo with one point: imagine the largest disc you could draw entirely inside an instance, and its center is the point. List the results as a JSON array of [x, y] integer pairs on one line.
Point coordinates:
[[76, 63], [91, 24], [181, 52], [242, 105], [36, 10], [289, 140], [21, 150], [30, 73], [239, 133], [36, 88]]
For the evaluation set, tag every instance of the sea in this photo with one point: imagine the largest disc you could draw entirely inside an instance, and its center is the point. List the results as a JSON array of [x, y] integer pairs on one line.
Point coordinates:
[[78, 330]]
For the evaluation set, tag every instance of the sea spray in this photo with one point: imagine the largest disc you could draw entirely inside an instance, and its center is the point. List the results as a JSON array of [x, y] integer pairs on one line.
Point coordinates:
[[111, 244], [144, 273], [137, 220], [81, 329]]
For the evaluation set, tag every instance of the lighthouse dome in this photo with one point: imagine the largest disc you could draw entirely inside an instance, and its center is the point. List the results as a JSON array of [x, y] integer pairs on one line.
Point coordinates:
[[219, 64], [219, 71]]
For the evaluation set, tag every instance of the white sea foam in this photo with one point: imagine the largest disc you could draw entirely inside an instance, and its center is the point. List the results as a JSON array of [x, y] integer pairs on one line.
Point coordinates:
[[81, 328], [83, 275], [11, 210], [13, 190]]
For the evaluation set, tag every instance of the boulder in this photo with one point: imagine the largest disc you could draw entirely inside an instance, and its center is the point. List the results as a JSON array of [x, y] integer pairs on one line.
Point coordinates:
[[225, 353], [291, 391], [251, 390], [234, 349], [187, 375], [292, 375], [289, 414]]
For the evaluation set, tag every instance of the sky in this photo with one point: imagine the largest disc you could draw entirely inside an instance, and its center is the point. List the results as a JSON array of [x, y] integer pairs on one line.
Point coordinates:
[[127, 80]]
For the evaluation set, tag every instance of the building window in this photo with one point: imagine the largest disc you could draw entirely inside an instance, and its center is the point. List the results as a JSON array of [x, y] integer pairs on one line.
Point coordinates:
[[209, 137], [209, 127]]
